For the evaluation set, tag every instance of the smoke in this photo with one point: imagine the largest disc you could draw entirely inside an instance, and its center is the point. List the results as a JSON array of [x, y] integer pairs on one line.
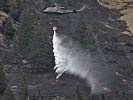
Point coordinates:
[[70, 58]]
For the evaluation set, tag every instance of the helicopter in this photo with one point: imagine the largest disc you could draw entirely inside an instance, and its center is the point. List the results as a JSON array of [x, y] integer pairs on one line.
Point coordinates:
[[59, 10]]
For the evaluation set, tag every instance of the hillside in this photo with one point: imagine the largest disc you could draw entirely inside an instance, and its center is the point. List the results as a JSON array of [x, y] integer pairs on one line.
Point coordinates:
[[125, 7], [104, 30]]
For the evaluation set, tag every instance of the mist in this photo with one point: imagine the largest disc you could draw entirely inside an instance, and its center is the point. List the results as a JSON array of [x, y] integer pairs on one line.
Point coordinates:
[[71, 58]]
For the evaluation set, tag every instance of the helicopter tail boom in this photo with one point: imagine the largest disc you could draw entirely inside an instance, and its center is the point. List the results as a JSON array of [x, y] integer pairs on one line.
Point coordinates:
[[80, 10]]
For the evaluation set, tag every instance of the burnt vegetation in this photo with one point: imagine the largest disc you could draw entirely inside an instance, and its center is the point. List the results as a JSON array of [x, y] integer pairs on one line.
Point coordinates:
[[27, 59]]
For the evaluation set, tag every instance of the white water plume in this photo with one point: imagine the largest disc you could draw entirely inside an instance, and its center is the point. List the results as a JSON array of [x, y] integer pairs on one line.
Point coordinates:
[[70, 58]]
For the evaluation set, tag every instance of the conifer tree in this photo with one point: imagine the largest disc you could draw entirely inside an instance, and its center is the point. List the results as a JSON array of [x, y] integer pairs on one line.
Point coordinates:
[[33, 42], [85, 36], [28, 98], [23, 88], [77, 94], [26, 31], [4, 5], [8, 95], [2, 79]]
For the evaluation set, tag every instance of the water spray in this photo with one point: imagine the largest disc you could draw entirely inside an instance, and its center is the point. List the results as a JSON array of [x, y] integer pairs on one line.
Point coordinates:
[[71, 58]]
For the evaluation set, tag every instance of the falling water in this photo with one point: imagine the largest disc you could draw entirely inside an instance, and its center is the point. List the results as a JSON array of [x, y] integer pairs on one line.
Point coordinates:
[[70, 58]]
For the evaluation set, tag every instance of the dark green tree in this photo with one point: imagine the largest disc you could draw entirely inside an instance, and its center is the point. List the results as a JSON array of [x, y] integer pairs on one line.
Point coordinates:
[[85, 36], [33, 42], [4, 5], [25, 32], [23, 88], [9, 29], [34, 97], [8, 95], [77, 94], [2, 79], [19, 9], [28, 98]]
